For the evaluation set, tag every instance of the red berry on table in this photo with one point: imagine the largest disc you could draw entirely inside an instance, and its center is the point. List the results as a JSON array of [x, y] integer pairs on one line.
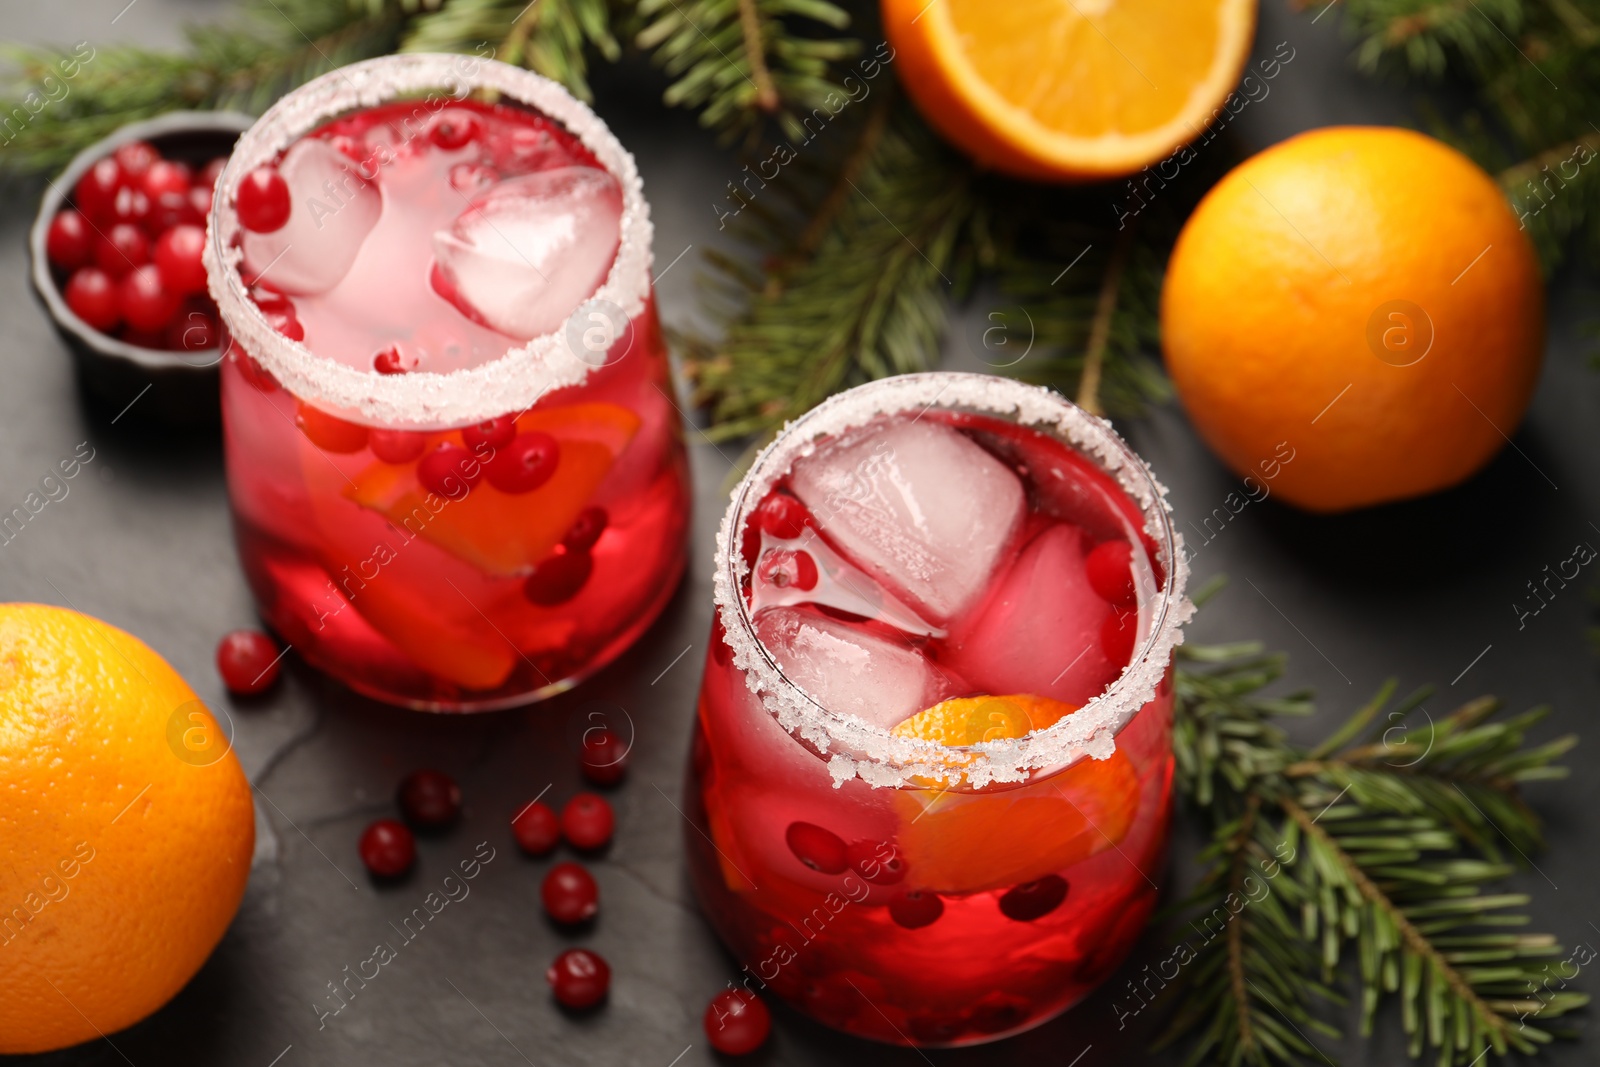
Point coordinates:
[[388, 361], [210, 173], [537, 828], [579, 978], [263, 200], [453, 127], [196, 328], [97, 189], [166, 176], [135, 158], [783, 516], [172, 209], [146, 303], [916, 908], [737, 1022], [387, 848], [91, 293], [586, 529], [558, 579], [177, 257], [570, 894], [449, 470], [430, 798], [817, 848], [396, 446], [248, 661], [69, 241], [492, 434], [123, 248], [587, 821], [1033, 900], [525, 464], [604, 757], [1117, 634], [1109, 566]]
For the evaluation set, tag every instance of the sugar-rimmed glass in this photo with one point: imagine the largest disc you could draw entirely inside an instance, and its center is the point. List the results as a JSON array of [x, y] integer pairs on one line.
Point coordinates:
[[423, 598]]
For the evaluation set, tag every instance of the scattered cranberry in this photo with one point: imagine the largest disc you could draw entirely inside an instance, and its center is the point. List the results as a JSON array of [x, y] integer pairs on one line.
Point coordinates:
[[1110, 572], [135, 158], [449, 471], [587, 821], [877, 861], [97, 189], [388, 361], [570, 894], [783, 516], [177, 257], [525, 464], [784, 568], [586, 529], [123, 248], [388, 849], [263, 200], [1033, 900], [737, 1022], [210, 173], [248, 661], [537, 828], [558, 579], [194, 329], [396, 446], [821, 850], [329, 432], [131, 205], [146, 303], [92, 295], [1117, 634], [430, 798], [69, 242], [579, 978], [605, 757], [453, 128], [166, 176], [173, 209], [916, 908], [494, 434]]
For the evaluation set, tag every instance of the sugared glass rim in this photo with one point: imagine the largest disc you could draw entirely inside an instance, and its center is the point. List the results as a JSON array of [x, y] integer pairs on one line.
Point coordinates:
[[424, 399], [855, 748]]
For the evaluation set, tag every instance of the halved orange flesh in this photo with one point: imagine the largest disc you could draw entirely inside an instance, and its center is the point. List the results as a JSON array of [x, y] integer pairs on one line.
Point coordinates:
[[969, 720], [1070, 89]]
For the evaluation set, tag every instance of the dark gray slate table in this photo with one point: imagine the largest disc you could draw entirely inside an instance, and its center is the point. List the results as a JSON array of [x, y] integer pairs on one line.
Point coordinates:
[[1423, 591]]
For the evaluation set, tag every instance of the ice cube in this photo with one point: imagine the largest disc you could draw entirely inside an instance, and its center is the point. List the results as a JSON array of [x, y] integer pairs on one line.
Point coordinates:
[[848, 669], [836, 584], [919, 506], [1039, 631], [527, 251], [331, 211]]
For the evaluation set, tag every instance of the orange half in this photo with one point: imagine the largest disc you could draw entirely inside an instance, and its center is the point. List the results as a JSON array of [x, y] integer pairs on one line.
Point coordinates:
[[1070, 89]]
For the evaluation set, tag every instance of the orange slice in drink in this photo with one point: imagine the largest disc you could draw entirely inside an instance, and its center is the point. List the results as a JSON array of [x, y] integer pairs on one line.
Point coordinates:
[[971, 842], [1082, 90], [505, 534]]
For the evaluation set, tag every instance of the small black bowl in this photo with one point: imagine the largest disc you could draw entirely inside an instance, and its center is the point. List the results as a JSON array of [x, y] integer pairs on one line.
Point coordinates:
[[182, 386]]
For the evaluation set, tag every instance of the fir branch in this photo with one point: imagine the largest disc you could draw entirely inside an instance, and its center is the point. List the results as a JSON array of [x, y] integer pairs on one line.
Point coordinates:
[[277, 45], [740, 62], [550, 37]]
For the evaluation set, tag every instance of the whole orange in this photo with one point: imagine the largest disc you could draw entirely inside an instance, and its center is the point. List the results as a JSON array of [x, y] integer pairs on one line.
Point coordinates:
[[128, 829], [1358, 301]]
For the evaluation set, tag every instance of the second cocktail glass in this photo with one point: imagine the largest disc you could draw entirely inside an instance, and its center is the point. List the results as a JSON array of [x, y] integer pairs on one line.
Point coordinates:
[[457, 476]]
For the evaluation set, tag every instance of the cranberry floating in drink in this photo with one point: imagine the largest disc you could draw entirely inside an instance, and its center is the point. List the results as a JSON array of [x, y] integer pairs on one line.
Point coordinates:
[[932, 761], [457, 475]]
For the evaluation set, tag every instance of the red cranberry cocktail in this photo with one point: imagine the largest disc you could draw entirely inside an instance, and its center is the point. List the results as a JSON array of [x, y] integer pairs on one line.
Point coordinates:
[[931, 768], [456, 472]]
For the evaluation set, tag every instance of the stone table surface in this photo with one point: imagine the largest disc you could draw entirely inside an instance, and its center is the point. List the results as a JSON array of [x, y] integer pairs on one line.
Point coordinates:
[[1421, 591]]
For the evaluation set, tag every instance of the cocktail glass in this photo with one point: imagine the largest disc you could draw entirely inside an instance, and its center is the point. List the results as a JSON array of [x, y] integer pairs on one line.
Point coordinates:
[[937, 541], [467, 526]]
